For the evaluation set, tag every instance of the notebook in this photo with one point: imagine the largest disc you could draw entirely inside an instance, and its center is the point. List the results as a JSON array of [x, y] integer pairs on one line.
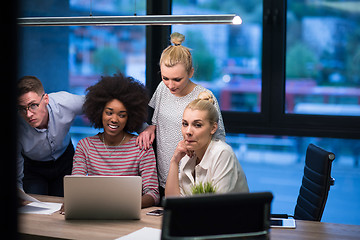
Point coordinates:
[[102, 197], [217, 216]]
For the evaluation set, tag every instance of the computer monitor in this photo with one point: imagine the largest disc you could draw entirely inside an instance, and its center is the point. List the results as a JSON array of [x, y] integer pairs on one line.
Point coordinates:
[[217, 216]]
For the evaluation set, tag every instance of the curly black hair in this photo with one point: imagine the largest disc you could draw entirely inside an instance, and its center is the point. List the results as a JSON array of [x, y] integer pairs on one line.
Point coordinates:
[[127, 90]]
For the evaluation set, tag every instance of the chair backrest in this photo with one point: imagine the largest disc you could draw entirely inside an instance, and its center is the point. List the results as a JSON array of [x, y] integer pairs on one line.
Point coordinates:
[[315, 185], [217, 216]]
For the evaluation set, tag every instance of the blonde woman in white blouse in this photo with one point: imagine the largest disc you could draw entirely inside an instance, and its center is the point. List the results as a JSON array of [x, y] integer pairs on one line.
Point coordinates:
[[200, 159]]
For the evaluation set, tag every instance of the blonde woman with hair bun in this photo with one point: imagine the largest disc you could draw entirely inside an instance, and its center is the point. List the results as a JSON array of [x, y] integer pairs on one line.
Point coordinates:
[[201, 160], [177, 53], [173, 94], [206, 96], [177, 38], [205, 102]]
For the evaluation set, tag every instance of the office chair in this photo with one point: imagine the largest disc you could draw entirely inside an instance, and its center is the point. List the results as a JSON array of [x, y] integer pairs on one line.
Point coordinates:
[[217, 216], [315, 185]]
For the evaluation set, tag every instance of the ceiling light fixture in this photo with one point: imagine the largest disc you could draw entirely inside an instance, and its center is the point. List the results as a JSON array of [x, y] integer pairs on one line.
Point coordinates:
[[130, 20]]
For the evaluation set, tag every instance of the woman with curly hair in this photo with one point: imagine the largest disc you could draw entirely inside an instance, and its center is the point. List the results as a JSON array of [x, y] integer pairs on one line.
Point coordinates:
[[117, 104]]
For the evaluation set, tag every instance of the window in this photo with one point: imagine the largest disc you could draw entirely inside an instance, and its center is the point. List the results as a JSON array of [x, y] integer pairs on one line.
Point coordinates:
[[277, 116], [227, 59], [322, 58]]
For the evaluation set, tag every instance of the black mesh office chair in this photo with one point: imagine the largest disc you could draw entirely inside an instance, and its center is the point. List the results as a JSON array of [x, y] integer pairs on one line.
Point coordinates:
[[315, 185]]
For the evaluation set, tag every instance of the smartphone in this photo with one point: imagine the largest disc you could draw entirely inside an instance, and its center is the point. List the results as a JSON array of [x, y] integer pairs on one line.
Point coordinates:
[[156, 212], [282, 223]]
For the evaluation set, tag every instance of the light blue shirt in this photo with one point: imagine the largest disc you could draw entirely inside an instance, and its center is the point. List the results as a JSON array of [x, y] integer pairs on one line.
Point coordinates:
[[48, 144]]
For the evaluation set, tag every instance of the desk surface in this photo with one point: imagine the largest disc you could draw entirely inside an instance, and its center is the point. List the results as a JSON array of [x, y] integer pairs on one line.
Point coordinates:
[[55, 226]]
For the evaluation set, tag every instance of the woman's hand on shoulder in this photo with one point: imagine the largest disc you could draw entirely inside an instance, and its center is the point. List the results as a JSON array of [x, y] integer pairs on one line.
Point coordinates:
[[146, 138]]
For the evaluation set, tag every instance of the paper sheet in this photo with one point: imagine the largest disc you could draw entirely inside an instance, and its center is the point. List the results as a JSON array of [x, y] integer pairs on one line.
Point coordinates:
[[36, 207], [40, 208], [23, 196], [144, 233]]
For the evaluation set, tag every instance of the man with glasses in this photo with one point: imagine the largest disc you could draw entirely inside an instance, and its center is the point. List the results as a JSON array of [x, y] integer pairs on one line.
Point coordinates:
[[44, 152]]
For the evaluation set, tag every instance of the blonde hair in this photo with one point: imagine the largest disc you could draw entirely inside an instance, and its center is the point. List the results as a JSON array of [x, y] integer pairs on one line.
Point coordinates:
[[205, 102], [177, 53]]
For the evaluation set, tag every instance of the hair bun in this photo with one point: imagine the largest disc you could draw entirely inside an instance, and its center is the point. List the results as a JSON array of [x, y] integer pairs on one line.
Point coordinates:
[[206, 96], [177, 38]]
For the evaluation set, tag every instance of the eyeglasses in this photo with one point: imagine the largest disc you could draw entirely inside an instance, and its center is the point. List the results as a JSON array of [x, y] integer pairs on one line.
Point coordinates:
[[33, 107]]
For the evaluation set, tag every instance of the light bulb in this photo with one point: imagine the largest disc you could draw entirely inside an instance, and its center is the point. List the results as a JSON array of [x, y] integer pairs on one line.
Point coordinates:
[[237, 20]]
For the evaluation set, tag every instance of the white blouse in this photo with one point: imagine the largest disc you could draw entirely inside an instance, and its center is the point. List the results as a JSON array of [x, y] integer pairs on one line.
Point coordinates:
[[219, 166]]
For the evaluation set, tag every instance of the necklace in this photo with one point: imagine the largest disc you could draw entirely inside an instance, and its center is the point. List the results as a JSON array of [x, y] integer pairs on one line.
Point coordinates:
[[110, 153]]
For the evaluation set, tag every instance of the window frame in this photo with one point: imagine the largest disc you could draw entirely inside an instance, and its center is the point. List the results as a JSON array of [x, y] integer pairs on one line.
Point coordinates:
[[272, 120]]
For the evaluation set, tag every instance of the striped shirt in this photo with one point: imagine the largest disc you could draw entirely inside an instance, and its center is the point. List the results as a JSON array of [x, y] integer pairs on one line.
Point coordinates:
[[93, 158]]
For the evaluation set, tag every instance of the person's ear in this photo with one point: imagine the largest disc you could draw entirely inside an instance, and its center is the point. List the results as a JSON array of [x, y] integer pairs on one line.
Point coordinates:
[[46, 99], [191, 73], [214, 128]]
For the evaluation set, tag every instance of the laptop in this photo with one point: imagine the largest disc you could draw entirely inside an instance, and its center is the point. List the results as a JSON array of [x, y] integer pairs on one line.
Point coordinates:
[[217, 216], [102, 197]]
